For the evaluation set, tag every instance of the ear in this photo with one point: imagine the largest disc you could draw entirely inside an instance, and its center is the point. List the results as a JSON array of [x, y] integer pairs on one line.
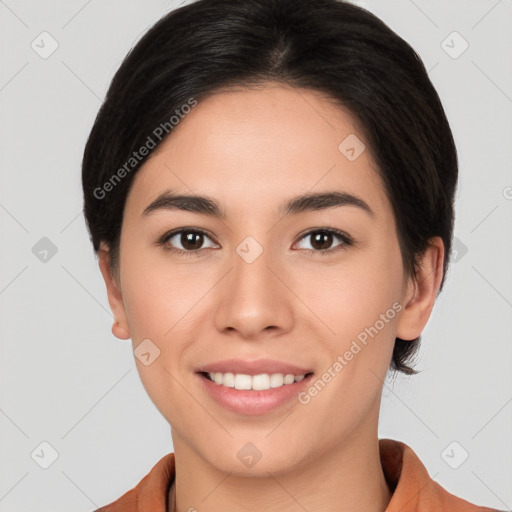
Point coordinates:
[[422, 292], [115, 299]]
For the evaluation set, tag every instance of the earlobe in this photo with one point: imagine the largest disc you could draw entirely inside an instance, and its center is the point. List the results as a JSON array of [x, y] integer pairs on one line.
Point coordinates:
[[419, 299], [119, 331], [120, 326]]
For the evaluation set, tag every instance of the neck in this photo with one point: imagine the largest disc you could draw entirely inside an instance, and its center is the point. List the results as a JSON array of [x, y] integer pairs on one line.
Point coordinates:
[[347, 477]]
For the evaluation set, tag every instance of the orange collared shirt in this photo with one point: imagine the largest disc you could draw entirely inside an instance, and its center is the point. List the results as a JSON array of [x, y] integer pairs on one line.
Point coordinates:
[[413, 489]]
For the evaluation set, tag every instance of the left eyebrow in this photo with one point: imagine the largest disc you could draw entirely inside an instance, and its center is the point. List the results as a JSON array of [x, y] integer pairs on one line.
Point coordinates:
[[320, 201], [208, 206]]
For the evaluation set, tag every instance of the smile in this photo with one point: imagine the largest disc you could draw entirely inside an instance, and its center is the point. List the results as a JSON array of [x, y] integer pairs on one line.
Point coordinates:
[[259, 382], [253, 394]]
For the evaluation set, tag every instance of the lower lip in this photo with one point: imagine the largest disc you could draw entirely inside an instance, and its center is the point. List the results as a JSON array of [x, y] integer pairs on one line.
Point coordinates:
[[249, 402]]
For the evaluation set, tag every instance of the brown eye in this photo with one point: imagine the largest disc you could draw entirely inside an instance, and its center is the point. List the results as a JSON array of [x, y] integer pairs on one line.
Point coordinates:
[[186, 240], [321, 240], [191, 240]]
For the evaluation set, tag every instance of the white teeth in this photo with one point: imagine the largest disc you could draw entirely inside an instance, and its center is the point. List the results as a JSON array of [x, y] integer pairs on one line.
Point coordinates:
[[260, 382], [289, 378], [276, 380], [242, 381]]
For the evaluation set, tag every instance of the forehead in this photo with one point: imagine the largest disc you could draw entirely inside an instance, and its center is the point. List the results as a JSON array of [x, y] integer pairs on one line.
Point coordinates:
[[254, 147]]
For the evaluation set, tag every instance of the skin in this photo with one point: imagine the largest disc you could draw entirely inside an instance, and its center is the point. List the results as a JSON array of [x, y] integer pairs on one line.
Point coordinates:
[[251, 150]]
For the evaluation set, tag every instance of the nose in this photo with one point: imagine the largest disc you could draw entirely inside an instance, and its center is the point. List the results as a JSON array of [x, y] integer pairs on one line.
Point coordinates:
[[254, 302]]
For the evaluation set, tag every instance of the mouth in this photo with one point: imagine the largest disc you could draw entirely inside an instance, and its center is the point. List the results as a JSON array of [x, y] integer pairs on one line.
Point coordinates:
[[261, 382], [253, 395]]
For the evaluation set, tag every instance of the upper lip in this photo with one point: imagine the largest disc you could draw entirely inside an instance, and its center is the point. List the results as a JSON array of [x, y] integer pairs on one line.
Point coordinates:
[[252, 367]]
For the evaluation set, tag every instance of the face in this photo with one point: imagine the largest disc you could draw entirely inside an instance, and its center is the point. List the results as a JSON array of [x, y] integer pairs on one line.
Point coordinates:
[[321, 288]]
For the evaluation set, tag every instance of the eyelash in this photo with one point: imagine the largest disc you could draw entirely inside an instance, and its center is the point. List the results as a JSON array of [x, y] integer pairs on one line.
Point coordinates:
[[346, 241]]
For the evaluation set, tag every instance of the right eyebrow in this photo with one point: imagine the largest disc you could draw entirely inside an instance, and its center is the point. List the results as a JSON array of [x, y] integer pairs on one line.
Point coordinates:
[[198, 204]]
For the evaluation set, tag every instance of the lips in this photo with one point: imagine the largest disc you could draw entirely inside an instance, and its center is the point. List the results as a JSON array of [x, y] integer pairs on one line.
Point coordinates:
[[256, 367], [250, 402]]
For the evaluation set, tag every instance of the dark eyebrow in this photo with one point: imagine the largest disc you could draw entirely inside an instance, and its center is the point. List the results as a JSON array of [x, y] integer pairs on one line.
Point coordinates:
[[320, 201], [198, 204], [208, 206]]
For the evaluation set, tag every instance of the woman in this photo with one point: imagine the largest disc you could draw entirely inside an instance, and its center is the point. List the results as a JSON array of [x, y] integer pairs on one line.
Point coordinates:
[[269, 188]]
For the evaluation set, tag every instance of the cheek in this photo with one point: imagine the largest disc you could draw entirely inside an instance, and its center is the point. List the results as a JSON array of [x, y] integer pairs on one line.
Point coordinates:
[[158, 307], [361, 308], [350, 296], [158, 295], [358, 304], [163, 303]]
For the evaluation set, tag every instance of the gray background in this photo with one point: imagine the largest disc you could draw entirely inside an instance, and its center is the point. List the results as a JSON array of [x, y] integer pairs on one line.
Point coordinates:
[[67, 381]]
